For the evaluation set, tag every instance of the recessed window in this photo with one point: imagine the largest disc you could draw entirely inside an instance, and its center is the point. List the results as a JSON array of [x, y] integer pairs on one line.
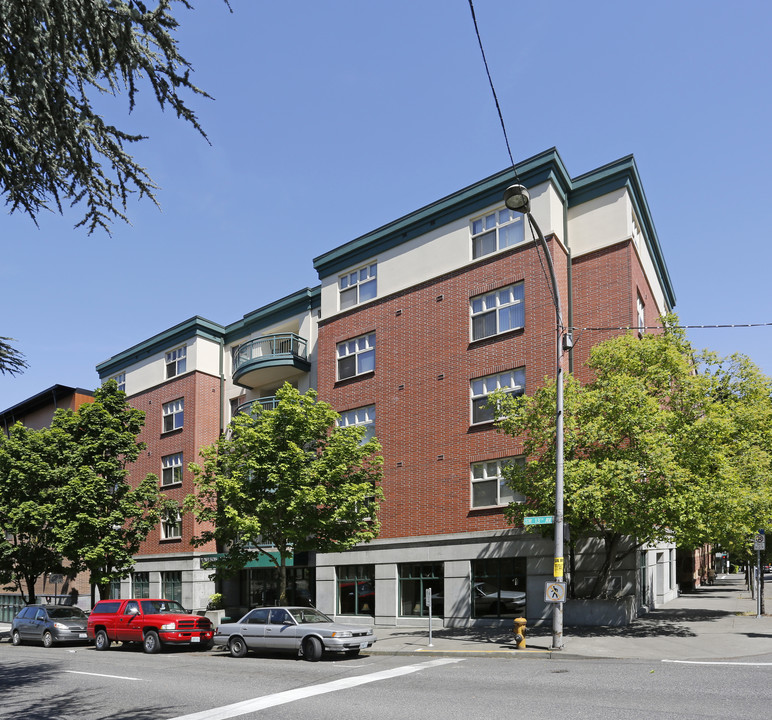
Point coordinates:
[[356, 356], [120, 378], [489, 489], [357, 286], [171, 527], [356, 589], [175, 362], [364, 416], [496, 231], [140, 585], [171, 585], [416, 580], [512, 382], [171, 470], [640, 310], [498, 311], [173, 415], [499, 587]]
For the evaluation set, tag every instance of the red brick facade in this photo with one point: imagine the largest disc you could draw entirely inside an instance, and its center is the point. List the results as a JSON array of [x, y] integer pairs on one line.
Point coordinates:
[[201, 427]]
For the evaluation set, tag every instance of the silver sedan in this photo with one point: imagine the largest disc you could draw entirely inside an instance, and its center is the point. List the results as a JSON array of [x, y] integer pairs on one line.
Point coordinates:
[[301, 630]]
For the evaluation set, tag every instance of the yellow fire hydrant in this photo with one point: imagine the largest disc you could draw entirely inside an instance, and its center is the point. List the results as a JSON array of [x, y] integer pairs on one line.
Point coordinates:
[[520, 632]]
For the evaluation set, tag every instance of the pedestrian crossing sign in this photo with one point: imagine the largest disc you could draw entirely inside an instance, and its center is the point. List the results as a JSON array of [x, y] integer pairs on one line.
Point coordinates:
[[554, 592]]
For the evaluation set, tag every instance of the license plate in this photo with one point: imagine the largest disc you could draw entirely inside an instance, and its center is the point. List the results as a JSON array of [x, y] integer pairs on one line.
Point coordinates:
[[195, 639], [82, 635], [362, 646]]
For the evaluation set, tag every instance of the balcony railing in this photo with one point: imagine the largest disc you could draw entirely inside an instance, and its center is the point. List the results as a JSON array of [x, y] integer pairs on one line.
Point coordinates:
[[268, 403], [271, 358], [269, 346]]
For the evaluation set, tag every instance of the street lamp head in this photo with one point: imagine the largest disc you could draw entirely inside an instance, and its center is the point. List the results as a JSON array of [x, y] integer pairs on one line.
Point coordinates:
[[516, 198]]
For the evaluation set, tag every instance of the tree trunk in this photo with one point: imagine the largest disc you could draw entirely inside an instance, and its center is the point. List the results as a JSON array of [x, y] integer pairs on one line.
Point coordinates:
[[283, 579], [31, 597]]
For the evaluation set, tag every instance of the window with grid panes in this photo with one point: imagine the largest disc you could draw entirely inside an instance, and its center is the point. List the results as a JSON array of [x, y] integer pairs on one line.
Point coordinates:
[[171, 585], [357, 286], [356, 589], [414, 580], [498, 311], [171, 527], [489, 488], [175, 362], [356, 356], [498, 587], [496, 231], [364, 416], [512, 382], [173, 415], [171, 469], [140, 584]]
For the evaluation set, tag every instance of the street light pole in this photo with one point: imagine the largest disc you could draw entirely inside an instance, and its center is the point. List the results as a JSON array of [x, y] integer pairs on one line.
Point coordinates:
[[516, 198]]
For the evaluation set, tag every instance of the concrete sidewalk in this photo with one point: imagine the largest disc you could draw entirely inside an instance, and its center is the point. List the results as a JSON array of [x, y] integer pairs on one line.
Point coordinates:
[[713, 623]]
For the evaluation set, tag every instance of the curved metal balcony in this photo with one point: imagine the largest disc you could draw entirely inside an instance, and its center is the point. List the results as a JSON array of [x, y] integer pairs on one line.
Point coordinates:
[[269, 403], [270, 359]]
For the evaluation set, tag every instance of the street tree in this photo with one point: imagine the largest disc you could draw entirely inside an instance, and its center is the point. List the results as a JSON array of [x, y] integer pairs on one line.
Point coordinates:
[[646, 449], [56, 58], [11, 360], [101, 518], [32, 465], [287, 480]]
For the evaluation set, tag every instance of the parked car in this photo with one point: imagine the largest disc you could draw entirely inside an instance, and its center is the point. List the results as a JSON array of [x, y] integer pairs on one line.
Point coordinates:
[[302, 630], [152, 622], [49, 624]]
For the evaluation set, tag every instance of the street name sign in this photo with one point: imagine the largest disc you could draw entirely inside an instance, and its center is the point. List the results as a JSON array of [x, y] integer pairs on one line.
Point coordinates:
[[539, 520]]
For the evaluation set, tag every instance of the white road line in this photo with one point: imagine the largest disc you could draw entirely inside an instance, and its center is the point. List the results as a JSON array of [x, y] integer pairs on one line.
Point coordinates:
[[717, 662], [261, 703], [115, 677]]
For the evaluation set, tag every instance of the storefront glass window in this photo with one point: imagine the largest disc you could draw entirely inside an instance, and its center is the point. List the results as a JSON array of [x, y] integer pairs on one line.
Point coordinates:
[[414, 580], [356, 590], [498, 587]]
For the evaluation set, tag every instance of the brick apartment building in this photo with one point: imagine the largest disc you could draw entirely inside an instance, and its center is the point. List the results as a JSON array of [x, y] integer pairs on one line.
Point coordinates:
[[37, 412], [411, 327]]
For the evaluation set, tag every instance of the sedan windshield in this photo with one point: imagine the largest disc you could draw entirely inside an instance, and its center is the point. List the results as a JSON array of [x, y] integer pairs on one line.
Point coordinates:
[[309, 615], [161, 607]]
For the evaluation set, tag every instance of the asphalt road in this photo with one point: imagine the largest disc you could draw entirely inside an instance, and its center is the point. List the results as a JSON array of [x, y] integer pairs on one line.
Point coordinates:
[[125, 684]]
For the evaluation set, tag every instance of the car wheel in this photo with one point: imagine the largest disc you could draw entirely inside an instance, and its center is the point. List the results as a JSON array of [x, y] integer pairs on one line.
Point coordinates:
[[237, 647], [312, 649], [152, 643], [48, 639], [101, 641], [352, 653], [15, 638]]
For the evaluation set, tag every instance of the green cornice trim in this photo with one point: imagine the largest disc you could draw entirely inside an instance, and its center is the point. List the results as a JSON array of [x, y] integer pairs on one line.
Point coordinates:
[[544, 167], [278, 311], [166, 340], [287, 307]]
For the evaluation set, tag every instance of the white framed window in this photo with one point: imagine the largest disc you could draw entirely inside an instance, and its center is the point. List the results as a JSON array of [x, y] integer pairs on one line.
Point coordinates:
[[356, 356], [357, 286], [175, 362], [496, 231], [640, 308], [171, 527], [363, 416], [171, 469], [489, 489], [173, 415], [120, 378], [512, 381], [498, 311]]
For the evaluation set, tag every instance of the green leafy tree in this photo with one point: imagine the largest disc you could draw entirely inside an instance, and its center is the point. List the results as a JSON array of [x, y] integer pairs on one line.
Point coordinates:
[[101, 518], [11, 360], [32, 465], [56, 56], [652, 451], [287, 479]]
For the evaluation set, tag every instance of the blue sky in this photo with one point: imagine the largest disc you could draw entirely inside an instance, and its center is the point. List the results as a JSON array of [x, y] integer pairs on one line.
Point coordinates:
[[332, 118]]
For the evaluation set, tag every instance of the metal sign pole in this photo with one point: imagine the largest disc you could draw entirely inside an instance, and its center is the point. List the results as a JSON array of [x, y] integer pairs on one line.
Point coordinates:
[[429, 605]]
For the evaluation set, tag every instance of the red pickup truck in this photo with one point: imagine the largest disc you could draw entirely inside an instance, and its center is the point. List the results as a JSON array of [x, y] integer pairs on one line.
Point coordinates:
[[153, 623]]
